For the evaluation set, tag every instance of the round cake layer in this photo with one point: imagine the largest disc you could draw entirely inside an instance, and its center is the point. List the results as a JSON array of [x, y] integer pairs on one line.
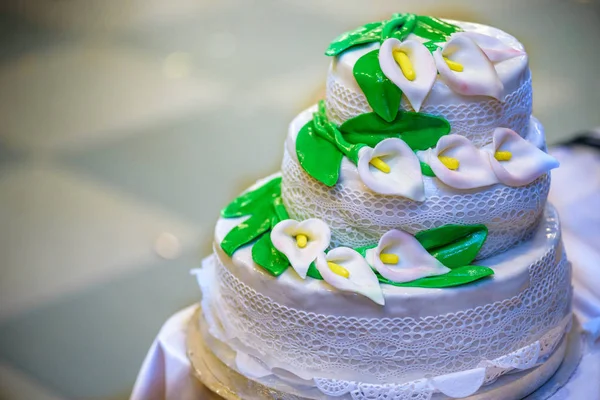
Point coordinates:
[[527, 369], [358, 217], [475, 117], [313, 330]]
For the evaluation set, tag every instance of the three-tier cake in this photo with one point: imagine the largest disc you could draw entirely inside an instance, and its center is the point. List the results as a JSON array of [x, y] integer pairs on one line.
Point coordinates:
[[405, 250]]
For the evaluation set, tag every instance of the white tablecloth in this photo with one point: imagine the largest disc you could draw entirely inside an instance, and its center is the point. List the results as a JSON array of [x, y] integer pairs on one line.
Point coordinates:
[[166, 372]]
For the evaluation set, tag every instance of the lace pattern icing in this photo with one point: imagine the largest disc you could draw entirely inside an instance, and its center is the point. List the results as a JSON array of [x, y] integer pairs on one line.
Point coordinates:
[[400, 350], [487, 372], [475, 120], [525, 358], [360, 217]]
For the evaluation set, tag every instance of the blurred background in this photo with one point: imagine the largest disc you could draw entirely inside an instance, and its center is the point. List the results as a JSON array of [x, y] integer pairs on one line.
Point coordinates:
[[125, 125]]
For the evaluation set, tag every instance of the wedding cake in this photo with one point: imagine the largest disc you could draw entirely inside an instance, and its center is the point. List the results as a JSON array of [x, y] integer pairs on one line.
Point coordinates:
[[405, 250]]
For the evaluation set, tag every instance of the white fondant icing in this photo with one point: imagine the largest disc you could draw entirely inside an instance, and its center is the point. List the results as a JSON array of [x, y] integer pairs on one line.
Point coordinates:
[[403, 179], [497, 380], [460, 384], [284, 235], [474, 169], [414, 261], [362, 280], [473, 116], [495, 49], [478, 77], [423, 65], [527, 162], [358, 217]]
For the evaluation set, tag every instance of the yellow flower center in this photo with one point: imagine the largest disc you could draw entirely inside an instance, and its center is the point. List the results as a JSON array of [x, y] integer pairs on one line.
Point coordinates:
[[301, 240], [387, 258], [503, 155], [380, 165], [450, 162], [453, 65], [338, 269], [405, 65]]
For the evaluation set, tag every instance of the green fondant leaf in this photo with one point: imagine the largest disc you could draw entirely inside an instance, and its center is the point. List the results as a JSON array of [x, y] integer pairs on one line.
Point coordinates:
[[370, 140], [363, 249], [420, 131], [280, 210], [431, 46], [453, 245], [268, 257], [313, 272], [426, 170], [399, 27], [367, 33], [247, 231], [320, 158], [248, 202], [382, 95], [436, 25], [457, 276]]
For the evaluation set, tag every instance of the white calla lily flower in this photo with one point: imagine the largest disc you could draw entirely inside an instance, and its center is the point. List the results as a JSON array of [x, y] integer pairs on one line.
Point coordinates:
[[391, 168], [459, 164], [345, 269], [495, 49], [466, 69], [515, 161], [400, 257], [301, 242], [409, 66]]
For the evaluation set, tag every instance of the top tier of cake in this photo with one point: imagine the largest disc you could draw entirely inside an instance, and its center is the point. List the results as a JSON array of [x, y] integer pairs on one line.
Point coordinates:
[[473, 116]]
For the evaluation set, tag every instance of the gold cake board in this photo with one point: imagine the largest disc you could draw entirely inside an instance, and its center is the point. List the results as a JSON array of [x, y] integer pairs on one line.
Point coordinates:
[[225, 383]]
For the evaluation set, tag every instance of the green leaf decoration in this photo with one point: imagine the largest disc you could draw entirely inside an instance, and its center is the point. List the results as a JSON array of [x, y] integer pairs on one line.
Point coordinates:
[[426, 170], [280, 210], [363, 249], [400, 26], [382, 95], [457, 276], [313, 272], [434, 25], [320, 158], [454, 245], [367, 33], [247, 231], [420, 131], [268, 257], [431, 46], [250, 201]]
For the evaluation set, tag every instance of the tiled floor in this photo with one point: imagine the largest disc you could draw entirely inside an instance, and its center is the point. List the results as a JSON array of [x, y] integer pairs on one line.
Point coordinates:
[[126, 120]]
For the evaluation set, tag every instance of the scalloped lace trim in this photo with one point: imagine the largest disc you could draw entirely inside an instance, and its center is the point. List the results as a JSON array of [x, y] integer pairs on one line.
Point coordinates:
[[360, 217], [475, 120], [487, 373]]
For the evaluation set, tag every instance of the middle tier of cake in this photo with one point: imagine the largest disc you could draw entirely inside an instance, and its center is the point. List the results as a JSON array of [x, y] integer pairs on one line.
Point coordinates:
[[357, 216]]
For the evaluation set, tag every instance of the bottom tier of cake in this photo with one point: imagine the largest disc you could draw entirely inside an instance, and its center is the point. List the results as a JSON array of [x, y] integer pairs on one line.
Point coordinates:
[[224, 372], [307, 332]]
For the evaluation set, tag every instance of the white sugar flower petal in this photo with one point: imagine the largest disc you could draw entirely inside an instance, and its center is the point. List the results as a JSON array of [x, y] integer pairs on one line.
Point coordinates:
[[400, 257], [419, 62], [478, 75], [301, 252], [495, 49], [355, 274], [515, 161], [471, 167], [400, 174]]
